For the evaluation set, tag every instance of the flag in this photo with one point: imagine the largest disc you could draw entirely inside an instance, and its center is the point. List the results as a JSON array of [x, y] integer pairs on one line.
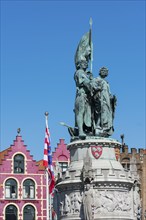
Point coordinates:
[[83, 52], [47, 162]]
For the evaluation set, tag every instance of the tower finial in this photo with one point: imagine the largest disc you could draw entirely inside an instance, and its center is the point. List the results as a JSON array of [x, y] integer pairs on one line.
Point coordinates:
[[18, 131], [46, 113]]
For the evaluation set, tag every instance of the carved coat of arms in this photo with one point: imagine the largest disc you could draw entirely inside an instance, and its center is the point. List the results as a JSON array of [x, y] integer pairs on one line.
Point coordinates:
[[96, 151]]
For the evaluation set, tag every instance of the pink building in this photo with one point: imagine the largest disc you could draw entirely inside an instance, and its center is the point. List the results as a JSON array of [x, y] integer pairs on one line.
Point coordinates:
[[60, 158], [22, 181]]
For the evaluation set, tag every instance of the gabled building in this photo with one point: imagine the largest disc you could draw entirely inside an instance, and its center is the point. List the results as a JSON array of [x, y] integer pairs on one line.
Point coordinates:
[[61, 157], [22, 185]]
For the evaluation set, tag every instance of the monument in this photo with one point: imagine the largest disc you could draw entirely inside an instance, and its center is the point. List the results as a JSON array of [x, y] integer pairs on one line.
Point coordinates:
[[95, 185]]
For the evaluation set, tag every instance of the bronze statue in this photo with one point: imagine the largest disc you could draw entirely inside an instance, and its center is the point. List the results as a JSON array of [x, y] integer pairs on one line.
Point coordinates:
[[103, 105], [94, 104], [83, 100]]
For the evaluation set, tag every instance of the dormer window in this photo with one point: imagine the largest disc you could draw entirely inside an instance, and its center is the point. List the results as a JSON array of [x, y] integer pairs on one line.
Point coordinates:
[[19, 163]]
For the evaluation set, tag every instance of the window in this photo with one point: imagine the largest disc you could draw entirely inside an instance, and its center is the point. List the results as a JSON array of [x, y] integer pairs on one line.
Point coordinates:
[[29, 213], [28, 189], [126, 166], [63, 166], [126, 163], [11, 213], [19, 163], [11, 189]]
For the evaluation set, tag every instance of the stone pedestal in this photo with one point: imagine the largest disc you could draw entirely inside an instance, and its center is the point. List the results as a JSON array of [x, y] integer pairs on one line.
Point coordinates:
[[94, 163]]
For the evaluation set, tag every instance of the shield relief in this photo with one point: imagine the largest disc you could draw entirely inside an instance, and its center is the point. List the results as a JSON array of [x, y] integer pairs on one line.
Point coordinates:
[[96, 151]]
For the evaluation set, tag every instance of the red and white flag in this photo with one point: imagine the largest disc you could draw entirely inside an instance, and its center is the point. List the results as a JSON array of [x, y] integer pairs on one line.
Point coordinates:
[[47, 162]]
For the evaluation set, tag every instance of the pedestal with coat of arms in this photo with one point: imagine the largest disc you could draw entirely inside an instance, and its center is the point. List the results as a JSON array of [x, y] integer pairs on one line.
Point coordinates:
[[94, 164]]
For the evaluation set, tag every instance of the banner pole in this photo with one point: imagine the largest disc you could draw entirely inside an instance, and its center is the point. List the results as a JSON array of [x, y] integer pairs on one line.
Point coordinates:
[[47, 194]]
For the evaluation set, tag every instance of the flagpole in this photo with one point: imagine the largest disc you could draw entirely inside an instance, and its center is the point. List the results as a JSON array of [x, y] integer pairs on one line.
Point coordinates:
[[47, 179], [91, 44], [50, 178], [47, 194]]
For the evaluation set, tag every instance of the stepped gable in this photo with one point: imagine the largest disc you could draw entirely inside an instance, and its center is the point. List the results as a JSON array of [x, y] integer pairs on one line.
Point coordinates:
[[61, 153], [18, 146]]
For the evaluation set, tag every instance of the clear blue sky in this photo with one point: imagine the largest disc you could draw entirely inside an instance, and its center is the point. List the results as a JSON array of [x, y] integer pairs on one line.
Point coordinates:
[[38, 44]]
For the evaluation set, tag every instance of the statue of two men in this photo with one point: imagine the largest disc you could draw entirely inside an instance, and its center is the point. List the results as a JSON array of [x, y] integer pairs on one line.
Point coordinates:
[[94, 104]]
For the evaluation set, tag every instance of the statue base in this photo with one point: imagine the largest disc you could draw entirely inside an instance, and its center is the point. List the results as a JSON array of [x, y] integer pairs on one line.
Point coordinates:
[[94, 162]]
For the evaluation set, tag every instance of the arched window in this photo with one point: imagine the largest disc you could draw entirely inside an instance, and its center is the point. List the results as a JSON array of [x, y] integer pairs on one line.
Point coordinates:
[[29, 213], [11, 213], [28, 189], [19, 163], [11, 189]]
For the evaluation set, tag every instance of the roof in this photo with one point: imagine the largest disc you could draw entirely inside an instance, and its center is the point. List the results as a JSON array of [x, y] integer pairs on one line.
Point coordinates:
[[40, 165], [4, 153]]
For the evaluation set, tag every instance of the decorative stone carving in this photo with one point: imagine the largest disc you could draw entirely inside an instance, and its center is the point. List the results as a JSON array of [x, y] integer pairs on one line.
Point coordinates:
[[137, 202], [112, 201], [67, 205], [77, 203], [88, 203], [72, 204]]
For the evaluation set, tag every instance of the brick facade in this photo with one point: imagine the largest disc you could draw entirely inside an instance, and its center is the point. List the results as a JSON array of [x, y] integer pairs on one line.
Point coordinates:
[[140, 162], [27, 191]]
